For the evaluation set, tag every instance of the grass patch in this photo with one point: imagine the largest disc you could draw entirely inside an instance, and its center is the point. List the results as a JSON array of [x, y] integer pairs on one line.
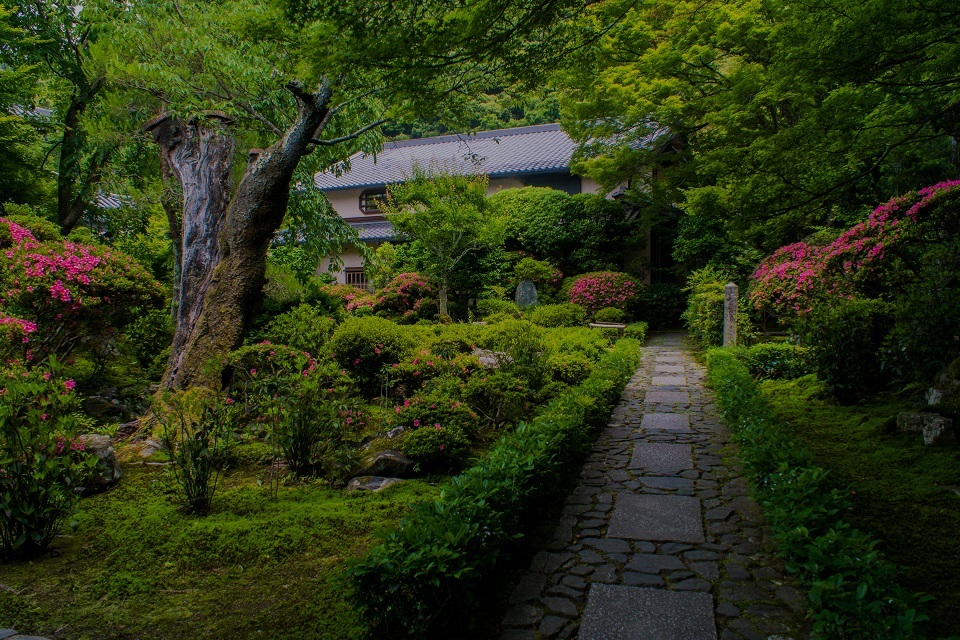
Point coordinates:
[[896, 482], [138, 568]]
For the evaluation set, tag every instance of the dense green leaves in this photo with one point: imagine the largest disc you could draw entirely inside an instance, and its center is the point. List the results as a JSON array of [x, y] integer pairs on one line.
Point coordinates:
[[790, 115]]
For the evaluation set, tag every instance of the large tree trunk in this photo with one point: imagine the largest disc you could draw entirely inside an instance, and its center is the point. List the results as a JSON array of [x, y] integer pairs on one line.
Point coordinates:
[[74, 189], [254, 214], [200, 156]]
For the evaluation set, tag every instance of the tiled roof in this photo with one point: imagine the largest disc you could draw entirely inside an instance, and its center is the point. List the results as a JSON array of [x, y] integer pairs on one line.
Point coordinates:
[[374, 231], [504, 152], [108, 200]]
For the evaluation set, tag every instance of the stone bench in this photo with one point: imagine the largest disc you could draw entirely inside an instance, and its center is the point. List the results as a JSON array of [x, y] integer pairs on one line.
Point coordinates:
[[621, 327]]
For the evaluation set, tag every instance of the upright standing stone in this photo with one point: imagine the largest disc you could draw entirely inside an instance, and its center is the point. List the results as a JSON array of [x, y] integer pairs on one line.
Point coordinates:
[[730, 294], [526, 295]]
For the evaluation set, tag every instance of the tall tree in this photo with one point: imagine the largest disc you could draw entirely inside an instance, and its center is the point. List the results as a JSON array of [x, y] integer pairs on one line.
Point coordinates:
[[20, 142], [449, 216], [61, 37], [793, 115], [288, 81]]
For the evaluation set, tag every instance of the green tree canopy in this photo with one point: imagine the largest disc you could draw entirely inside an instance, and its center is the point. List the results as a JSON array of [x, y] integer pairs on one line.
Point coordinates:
[[450, 218], [792, 115]]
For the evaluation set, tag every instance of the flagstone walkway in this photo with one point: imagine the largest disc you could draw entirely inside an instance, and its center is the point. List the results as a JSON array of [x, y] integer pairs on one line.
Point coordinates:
[[660, 540]]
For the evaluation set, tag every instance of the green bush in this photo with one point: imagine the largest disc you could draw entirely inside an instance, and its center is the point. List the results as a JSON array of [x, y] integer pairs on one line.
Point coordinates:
[[366, 346], [425, 578], [436, 448], [197, 431], [490, 306], [498, 397], [852, 589], [846, 338], [42, 459], [569, 368], [609, 314], [775, 360], [437, 405], [558, 315], [521, 349], [304, 327], [637, 331], [591, 343], [704, 314]]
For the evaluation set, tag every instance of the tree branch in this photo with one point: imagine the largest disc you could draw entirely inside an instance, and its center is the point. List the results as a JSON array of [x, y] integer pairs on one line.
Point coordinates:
[[352, 136]]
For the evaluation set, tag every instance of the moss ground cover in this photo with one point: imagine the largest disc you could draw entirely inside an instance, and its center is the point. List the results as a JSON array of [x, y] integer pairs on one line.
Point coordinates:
[[138, 568], [897, 485]]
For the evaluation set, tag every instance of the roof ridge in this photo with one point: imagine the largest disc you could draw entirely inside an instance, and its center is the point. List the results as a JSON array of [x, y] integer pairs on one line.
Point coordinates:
[[479, 135]]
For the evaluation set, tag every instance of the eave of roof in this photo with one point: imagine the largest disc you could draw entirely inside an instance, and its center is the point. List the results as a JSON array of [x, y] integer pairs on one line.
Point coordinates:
[[498, 153]]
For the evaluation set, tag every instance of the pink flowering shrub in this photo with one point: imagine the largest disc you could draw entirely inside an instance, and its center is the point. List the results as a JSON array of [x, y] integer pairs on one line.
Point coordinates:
[[411, 373], [42, 458], [367, 348], [601, 289], [866, 260], [68, 291], [408, 297], [879, 301]]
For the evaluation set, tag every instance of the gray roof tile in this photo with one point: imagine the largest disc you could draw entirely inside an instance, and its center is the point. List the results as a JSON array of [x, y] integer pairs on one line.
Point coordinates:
[[504, 152], [374, 231]]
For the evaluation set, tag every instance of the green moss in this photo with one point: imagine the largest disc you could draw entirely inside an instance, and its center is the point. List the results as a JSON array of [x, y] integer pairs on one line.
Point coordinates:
[[897, 482], [137, 568]]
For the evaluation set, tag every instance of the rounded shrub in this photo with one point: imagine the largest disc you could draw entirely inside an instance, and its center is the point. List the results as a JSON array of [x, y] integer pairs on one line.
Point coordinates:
[[491, 306], [304, 328], [610, 314], [570, 368], [600, 289], [437, 448], [364, 346], [558, 315], [408, 297], [498, 397]]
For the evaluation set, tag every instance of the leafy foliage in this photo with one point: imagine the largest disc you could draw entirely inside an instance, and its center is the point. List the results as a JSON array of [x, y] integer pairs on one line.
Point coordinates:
[[366, 347], [42, 458], [852, 588], [558, 315], [595, 291], [425, 577], [408, 297]]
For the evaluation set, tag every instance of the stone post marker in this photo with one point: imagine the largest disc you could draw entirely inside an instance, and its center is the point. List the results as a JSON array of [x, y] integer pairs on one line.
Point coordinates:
[[730, 294]]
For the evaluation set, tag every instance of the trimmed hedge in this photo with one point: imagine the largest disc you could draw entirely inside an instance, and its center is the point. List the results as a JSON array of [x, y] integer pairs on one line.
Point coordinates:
[[425, 578], [852, 589], [776, 360]]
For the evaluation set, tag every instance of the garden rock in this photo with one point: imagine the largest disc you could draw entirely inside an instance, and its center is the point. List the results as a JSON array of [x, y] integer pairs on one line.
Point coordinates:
[[104, 408], [371, 483], [937, 430], [108, 469], [910, 422], [526, 295], [389, 463], [934, 397], [149, 448]]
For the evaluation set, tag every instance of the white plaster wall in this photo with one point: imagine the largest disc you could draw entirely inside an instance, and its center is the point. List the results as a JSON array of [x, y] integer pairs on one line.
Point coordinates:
[[351, 259], [346, 202], [590, 186]]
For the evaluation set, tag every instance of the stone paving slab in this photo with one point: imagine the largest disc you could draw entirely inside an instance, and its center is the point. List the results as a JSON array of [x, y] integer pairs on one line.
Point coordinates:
[[656, 517], [667, 397], [668, 381], [661, 458], [631, 613], [665, 422], [668, 368]]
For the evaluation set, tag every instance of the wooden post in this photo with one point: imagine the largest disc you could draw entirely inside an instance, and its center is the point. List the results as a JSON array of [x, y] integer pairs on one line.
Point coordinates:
[[730, 294]]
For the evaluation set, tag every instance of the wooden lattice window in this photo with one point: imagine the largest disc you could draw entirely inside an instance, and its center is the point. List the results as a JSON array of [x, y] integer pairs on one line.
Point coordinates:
[[356, 277], [371, 199]]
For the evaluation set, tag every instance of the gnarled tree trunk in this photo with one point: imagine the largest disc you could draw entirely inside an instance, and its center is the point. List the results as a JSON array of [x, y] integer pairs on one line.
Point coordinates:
[[216, 324], [199, 154]]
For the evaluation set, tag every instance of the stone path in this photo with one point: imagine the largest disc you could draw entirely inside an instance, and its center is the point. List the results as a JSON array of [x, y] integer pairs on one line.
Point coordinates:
[[659, 541]]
